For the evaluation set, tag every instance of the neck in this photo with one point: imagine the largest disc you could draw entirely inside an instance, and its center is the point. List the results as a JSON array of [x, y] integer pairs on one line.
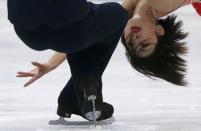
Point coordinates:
[[144, 11]]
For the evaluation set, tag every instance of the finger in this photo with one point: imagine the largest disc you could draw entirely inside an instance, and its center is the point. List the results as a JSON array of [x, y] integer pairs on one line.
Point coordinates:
[[37, 64], [21, 72], [19, 75], [30, 82], [26, 73]]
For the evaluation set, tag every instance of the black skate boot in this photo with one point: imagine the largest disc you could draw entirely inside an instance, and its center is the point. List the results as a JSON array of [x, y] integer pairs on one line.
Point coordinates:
[[107, 112], [66, 107]]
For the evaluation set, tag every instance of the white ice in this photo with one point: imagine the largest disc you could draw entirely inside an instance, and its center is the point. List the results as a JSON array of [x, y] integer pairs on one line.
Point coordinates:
[[141, 104]]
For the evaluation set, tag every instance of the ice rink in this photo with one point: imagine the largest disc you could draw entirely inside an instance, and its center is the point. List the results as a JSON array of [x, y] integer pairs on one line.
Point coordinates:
[[141, 104]]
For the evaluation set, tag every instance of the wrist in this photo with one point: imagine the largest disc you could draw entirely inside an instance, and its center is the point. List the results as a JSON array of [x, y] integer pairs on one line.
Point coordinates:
[[50, 66]]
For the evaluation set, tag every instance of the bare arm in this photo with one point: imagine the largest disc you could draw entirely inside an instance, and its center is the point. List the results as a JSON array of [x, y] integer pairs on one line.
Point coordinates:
[[42, 69], [56, 60], [167, 5], [196, 1]]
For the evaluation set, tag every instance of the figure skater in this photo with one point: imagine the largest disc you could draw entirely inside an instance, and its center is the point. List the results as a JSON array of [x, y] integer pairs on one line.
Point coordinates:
[[134, 8]]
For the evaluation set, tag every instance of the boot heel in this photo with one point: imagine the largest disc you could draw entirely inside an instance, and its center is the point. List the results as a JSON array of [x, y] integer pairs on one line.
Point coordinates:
[[62, 113]]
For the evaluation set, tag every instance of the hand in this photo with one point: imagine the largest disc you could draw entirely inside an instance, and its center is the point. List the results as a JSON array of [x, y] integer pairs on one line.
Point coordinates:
[[36, 73]]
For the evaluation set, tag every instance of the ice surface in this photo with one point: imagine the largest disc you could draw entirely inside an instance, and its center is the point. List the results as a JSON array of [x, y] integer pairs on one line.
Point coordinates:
[[141, 104]]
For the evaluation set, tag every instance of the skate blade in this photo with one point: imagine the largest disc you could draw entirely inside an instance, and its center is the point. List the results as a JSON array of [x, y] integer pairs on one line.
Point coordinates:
[[60, 121], [81, 123]]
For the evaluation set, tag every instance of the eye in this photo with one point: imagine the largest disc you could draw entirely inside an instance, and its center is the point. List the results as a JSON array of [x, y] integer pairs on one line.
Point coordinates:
[[143, 49], [145, 46]]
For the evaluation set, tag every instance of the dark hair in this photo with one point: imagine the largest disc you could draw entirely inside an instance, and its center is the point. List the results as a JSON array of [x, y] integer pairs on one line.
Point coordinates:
[[166, 61]]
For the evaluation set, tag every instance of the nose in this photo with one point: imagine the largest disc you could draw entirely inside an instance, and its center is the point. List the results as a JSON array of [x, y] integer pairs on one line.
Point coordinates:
[[135, 36]]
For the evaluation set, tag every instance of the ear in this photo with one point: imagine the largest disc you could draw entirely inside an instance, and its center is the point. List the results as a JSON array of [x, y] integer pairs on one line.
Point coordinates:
[[160, 30]]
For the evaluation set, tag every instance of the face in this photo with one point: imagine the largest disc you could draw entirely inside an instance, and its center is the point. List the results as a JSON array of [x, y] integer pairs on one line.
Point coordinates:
[[141, 37]]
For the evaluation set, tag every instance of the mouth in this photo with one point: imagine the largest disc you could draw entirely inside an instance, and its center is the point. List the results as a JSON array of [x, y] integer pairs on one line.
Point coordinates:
[[135, 29]]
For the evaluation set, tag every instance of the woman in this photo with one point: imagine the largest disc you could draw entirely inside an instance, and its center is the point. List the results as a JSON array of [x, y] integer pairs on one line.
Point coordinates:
[[135, 9], [154, 44]]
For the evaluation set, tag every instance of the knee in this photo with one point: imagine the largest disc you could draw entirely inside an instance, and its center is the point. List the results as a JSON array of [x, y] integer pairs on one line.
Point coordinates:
[[28, 39]]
